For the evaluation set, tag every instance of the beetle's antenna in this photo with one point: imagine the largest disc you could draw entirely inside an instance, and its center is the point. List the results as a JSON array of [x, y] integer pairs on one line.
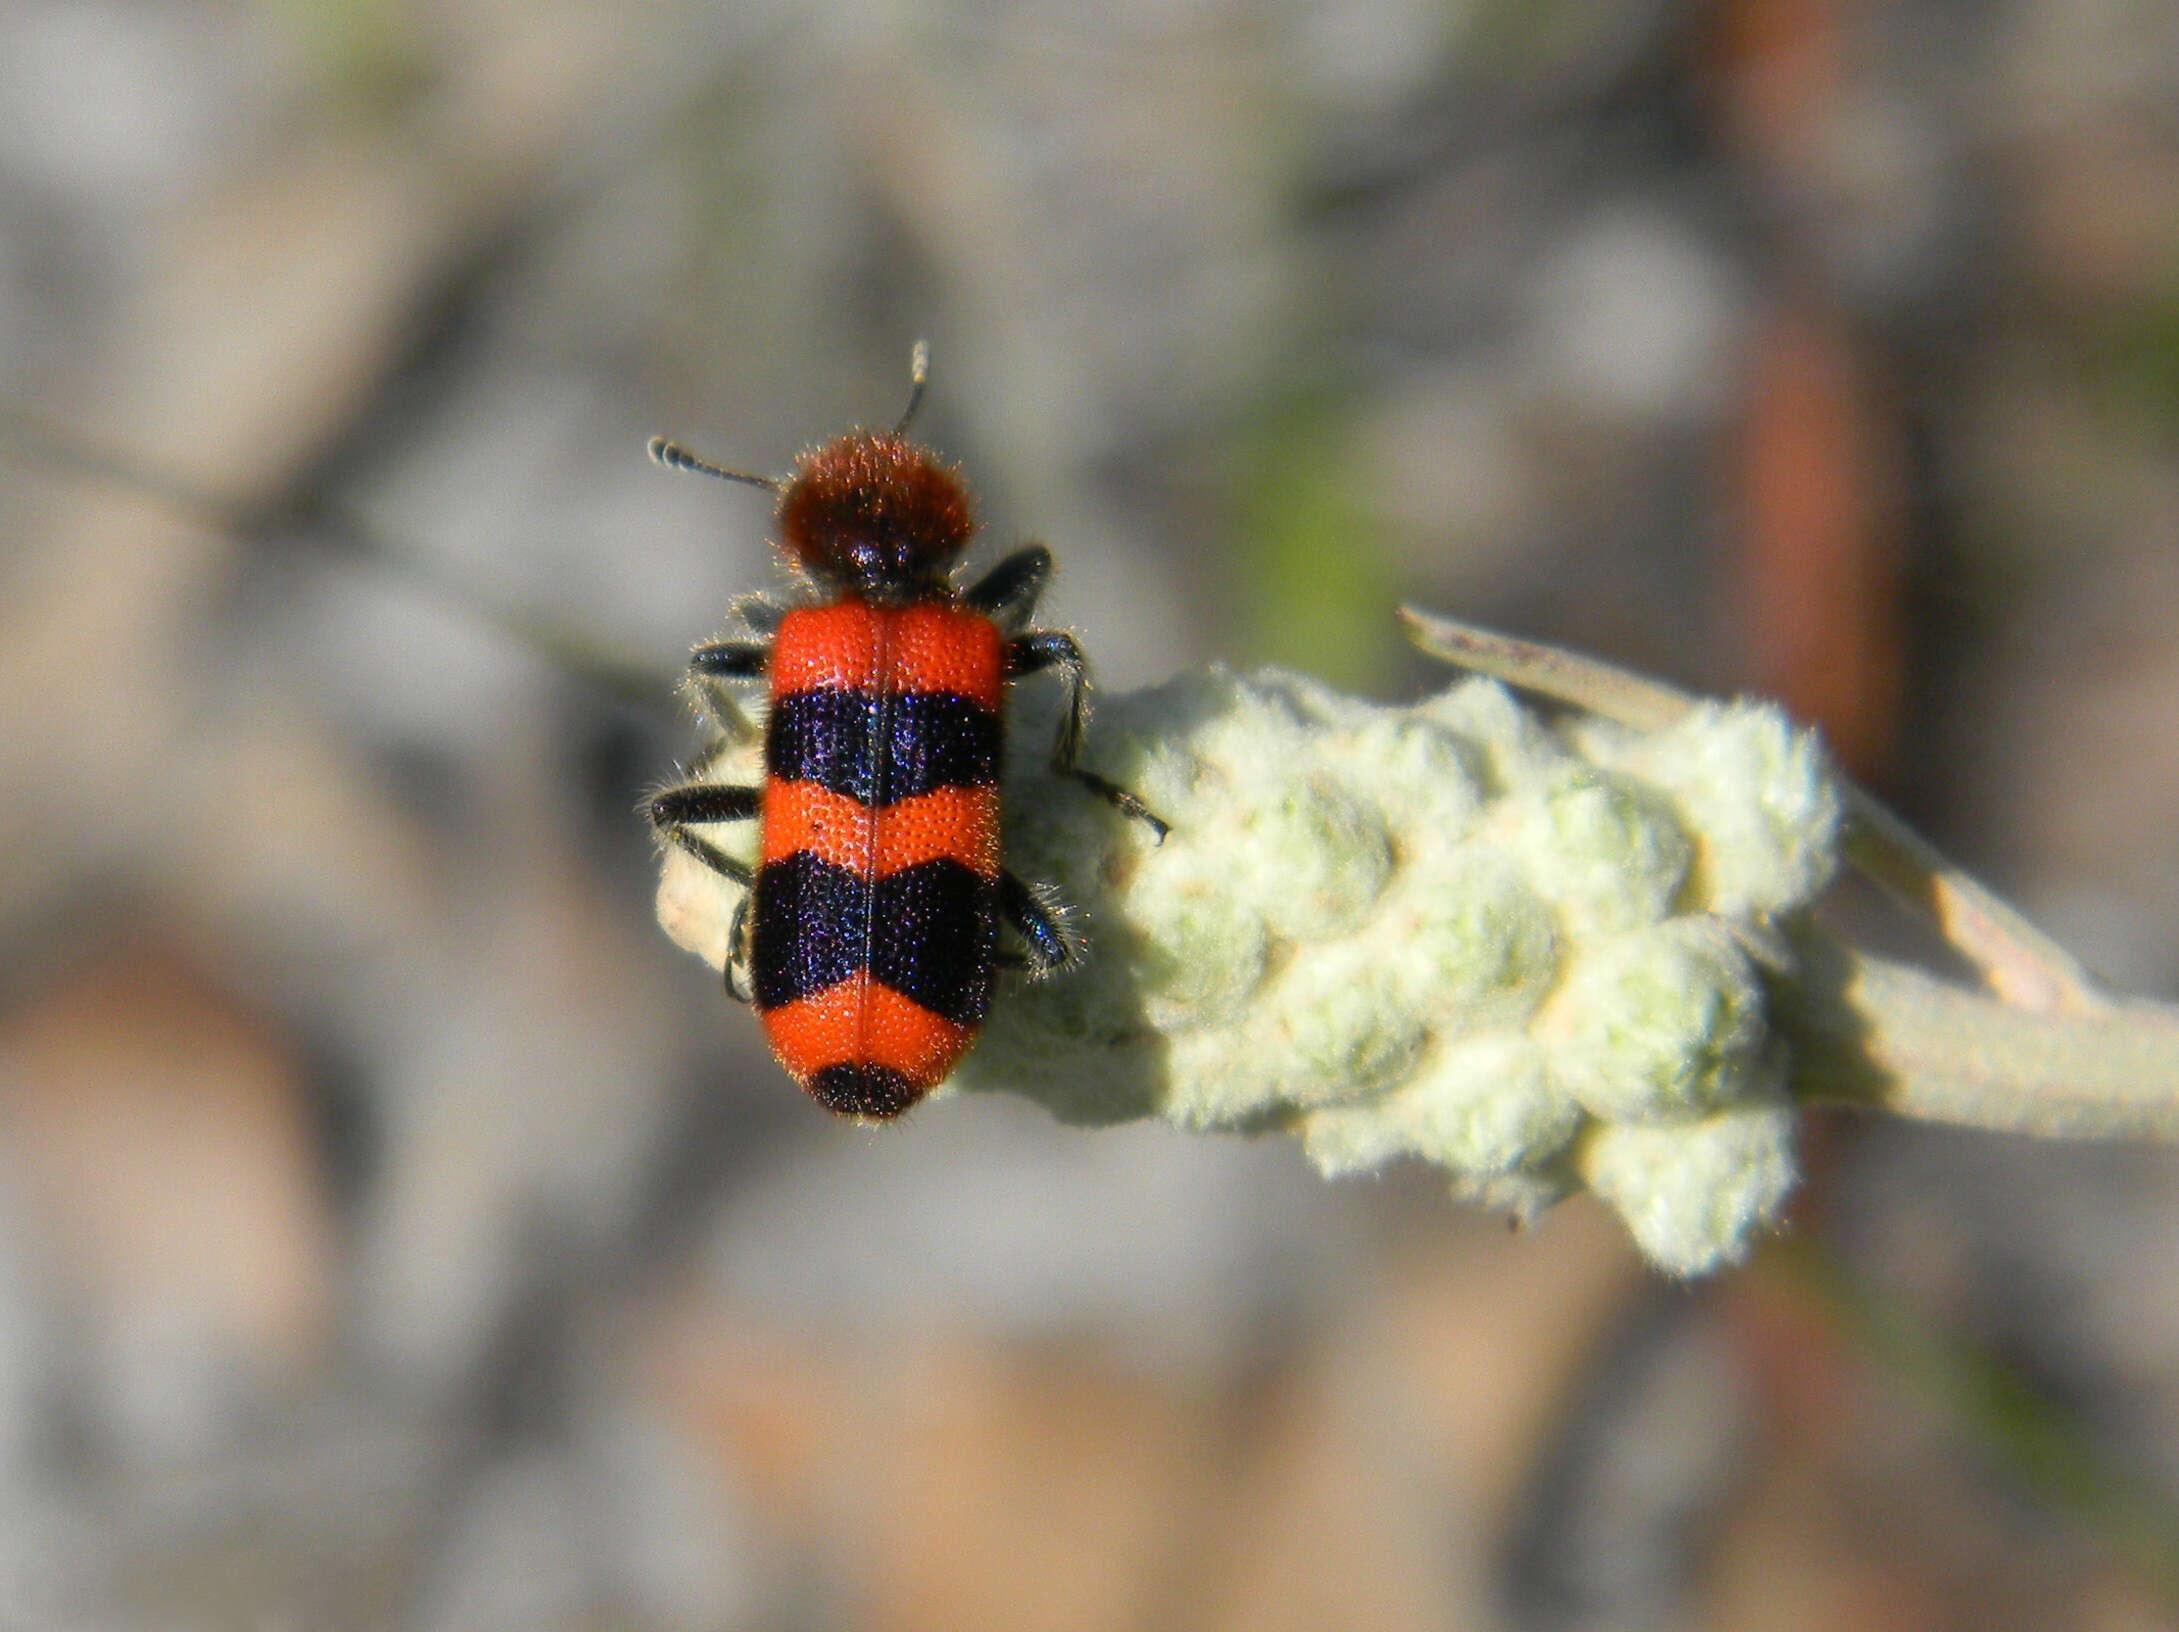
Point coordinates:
[[675, 457], [919, 375]]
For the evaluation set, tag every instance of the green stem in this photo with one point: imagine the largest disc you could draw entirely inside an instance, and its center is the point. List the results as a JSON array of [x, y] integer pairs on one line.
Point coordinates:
[[1879, 1035]]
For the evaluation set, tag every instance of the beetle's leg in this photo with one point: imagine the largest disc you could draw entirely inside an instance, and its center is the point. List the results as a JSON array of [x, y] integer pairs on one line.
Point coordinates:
[[731, 660], [1041, 649], [760, 614], [1007, 594], [1049, 942], [737, 954], [710, 667], [673, 811]]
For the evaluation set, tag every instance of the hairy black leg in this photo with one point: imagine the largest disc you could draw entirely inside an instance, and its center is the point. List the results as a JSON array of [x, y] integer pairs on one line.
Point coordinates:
[[1042, 649], [760, 613], [701, 767], [731, 660], [1048, 944], [705, 802], [674, 810], [737, 954], [710, 667], [1007, 594]]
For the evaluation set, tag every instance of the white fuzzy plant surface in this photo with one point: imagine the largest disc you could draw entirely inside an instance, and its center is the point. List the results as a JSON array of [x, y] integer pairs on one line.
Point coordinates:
[[1543, 954]]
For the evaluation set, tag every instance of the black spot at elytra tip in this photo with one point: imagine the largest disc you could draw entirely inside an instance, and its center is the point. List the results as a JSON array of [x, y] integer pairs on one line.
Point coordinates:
[[862, 1090]]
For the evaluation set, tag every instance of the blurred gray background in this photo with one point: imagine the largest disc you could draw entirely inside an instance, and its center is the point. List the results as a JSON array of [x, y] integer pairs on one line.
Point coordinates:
[[397, 1232]]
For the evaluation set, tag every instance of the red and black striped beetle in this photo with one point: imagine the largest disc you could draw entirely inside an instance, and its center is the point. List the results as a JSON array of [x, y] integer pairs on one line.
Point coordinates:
[[868, 939]]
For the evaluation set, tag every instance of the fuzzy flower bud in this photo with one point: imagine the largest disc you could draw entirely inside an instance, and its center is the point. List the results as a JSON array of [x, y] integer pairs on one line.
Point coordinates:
[[1525, 952]]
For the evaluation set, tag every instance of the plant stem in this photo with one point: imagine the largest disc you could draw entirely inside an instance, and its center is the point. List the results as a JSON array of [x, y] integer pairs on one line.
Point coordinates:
[[1879, 1035]]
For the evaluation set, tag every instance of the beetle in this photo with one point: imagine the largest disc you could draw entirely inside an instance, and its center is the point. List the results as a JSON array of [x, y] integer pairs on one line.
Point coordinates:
[[867, 937]]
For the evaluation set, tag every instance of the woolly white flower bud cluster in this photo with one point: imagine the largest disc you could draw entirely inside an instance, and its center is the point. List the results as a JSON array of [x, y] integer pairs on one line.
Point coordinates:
[[1527, 952]]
